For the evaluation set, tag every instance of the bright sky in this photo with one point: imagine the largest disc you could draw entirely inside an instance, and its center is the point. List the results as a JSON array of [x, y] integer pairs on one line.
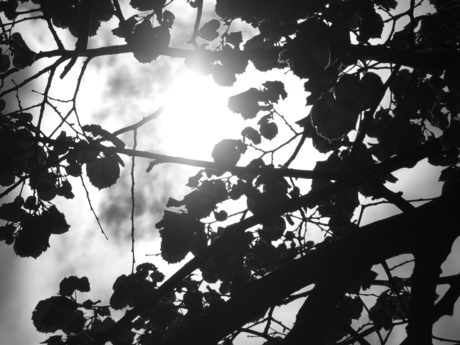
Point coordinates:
[[195, 118]]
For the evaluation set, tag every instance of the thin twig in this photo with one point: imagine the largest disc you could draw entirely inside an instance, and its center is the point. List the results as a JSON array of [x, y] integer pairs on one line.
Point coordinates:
[[133, 202], [91, 207], [142, 122], [197, 22]]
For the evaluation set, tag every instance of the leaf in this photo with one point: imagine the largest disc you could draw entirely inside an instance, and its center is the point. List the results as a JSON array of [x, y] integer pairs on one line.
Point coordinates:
[[223, 76], [174, 203], [371, 25], [274, 90], [97, 131], [194, 180], [54, 340], [6, 233], [73, 170], [22, 55], [221, 215], [55, 221], [267, 128], [177, 232], [4, 63], [347, 87], [148, 41], [246, 103], [68, 285], [252, 135], [370, 87], [121, 292], [103, 172], [194, 301], [215, 189], [127, 29], [332, 119], [65, 190], [228, 152], [234, 38], [319, 143], [147, 5], [451, 136], [199, 204], [167, 19], [12, 212], [50, 315], [45, 184], [365, 281], [33, 239], [387, 4], [157, 277], [209, 30], [273, 230]]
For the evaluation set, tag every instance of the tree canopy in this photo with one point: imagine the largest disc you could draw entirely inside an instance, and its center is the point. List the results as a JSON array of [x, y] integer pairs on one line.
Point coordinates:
[[383, 94]]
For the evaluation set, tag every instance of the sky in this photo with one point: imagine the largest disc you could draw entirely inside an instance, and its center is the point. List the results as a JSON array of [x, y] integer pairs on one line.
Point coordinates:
[[117, 92]]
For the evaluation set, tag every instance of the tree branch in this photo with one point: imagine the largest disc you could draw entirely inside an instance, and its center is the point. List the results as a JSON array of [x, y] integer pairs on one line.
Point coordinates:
[[431, 61], [309, 200], [343, 259]]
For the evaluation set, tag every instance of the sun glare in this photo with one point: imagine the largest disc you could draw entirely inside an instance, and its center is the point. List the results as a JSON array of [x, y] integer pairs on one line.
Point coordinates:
[[196, 117]]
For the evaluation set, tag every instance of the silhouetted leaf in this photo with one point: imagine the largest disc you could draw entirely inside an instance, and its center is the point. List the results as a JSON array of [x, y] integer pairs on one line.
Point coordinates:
[[221, 215], [273, 230], [274, 90], [52, 314], [45, 184], [147, 5], [6, 233], [194, 180], [33, 239], [267, 128], [127, 29], [370, 87], [22, 55], [451, 136], [234, 38], [4, 63], [387, 4], [54, 340], [55, 220], [147, 41], [98, 131], [121, 296], [103, 172], [252, 135], [65, 190], [223, 76], [209, 30], [68, 285], [73, 169], [228, 151], [177, 232], [371, 25], [12, 212], [246, 103], [333, 119]]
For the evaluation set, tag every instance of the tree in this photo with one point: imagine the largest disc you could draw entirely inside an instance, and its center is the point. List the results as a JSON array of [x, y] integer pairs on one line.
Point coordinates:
[[382, 78]]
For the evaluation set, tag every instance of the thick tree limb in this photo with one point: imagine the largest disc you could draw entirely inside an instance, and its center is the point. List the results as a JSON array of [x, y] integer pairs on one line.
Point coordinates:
[[431, 61], [317, 313], [367, 246]]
